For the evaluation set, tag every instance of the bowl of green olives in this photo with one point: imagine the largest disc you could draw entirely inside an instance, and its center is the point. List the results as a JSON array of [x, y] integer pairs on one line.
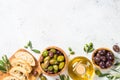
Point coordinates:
[[53, 60]]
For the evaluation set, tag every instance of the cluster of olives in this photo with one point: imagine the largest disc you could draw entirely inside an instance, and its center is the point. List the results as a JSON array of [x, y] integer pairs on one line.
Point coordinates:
[[103, 58], [52, 61]]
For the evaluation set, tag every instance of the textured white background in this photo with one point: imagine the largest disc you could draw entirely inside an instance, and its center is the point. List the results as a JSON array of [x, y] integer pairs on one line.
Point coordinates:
[[64, 23]]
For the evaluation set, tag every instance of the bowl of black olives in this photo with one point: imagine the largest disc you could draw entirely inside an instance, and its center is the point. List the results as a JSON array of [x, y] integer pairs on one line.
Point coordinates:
[[103, 58], [53, 61]]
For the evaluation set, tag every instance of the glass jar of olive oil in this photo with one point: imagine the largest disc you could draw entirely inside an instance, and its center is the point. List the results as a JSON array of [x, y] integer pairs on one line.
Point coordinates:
[[80, 68]]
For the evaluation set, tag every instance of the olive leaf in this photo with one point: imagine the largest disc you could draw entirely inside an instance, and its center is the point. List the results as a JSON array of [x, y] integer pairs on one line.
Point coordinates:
[[4, 64], [64, 77], [71, 51], [114, 73], [88, 47], [98, 72], [35, 50], [29, 45]]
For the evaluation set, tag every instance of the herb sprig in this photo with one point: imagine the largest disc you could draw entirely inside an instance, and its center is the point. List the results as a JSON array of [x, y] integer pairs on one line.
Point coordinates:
[[114, 73], [71, 51], [29, 45], [64, 77], [88, 48], [4, 64]]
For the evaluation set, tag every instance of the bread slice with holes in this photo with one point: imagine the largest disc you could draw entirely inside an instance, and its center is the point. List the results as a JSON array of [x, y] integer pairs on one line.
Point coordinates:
[[21, 63], [24, 55], [10, 78], [19, 73]]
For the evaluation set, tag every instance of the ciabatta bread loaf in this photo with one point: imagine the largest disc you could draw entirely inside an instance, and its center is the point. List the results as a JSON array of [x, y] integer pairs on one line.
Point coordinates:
[[19, 73], [21, 63], [10, 78], [24, 55]]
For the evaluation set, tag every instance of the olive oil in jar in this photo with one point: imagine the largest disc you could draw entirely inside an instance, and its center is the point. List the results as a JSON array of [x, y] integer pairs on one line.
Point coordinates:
[[80, 68]]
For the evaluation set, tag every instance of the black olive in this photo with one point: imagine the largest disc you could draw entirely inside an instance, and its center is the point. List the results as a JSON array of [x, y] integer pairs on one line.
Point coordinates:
[[98, 55], [102, 64], [96, 59], [116, 48], [111, 58], [108, 63], [58, 52], [102, 53], [109, 54], [103, 58], [51, 54], [35, 73]]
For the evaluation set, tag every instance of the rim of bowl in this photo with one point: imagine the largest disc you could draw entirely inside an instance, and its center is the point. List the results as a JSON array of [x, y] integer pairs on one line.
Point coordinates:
[[102, 48], [66, 61]]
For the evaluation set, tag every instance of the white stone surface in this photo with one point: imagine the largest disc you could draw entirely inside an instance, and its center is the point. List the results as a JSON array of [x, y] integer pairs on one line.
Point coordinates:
[[64, 23]]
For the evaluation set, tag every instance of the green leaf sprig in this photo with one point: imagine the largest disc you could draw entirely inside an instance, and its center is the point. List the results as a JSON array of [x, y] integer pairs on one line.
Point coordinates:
[[88, 48], [64, 77], [114, 73], [71, 51], [29, 45], [5, 64]]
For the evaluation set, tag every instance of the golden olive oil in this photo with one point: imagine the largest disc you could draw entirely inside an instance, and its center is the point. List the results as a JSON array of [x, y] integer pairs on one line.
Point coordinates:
[[80, 68]]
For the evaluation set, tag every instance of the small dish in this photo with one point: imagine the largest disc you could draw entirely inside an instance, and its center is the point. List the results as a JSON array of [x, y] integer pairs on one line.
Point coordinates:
[[103, 58], [53, 61]]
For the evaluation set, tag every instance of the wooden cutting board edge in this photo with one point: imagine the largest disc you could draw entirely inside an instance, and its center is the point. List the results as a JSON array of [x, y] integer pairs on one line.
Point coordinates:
[[36, 67]]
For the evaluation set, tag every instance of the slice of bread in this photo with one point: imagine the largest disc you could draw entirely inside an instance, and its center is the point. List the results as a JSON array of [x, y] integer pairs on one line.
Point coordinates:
[[10, 78], [19, 73], [21, 63], [24, 55]]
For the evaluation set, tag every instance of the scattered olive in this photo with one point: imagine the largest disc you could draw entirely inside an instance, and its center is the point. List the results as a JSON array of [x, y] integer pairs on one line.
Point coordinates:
[[35, 73], [43, 78], [116, 48]]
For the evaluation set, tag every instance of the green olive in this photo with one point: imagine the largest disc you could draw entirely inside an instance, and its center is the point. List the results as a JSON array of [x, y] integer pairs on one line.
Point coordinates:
[[60, 58], [55, 71], [45, 53], [53, 50], [45, 64], [46, 58], [55, 56], [50, 68], [55, 67], [53, 61], [61, 65], [43, 78]]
